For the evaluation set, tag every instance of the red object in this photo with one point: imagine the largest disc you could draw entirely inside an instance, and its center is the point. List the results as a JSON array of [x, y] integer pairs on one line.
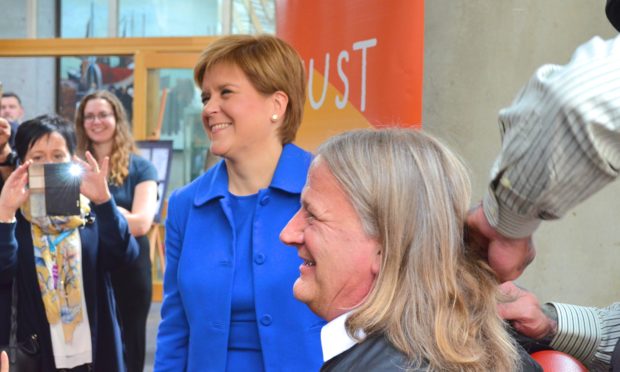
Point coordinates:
[[557, 361]]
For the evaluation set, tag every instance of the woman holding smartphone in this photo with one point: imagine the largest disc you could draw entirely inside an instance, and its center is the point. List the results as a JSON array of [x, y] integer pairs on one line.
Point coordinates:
[[62, 264]]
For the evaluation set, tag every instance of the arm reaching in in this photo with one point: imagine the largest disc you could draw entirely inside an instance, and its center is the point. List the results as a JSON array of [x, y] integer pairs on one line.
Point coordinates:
[[560, 145]]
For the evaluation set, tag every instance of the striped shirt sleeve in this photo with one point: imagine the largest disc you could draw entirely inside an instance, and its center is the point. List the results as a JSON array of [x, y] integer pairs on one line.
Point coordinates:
[[589, 334], [560, 140]]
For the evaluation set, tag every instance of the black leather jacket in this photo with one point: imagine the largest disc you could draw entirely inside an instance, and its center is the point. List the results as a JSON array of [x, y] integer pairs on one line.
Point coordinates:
[[376, 354], [373, 354]]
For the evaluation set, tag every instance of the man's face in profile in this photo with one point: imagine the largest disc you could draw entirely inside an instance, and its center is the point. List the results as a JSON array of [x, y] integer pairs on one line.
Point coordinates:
[[340, 261], [10, 109]]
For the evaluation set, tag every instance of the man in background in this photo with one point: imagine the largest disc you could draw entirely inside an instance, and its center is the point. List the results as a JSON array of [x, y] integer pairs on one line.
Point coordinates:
[[11, 107]]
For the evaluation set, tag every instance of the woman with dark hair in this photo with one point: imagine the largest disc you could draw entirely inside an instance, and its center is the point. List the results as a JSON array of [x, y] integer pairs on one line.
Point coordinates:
[[102, 128], [61, 264]]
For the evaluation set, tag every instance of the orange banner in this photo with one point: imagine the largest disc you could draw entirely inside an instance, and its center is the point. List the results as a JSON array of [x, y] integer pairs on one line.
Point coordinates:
[[364, 60]]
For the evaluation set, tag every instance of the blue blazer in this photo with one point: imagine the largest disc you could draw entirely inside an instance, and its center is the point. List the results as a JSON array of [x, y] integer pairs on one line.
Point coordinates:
[[106, 245], [193, 333]]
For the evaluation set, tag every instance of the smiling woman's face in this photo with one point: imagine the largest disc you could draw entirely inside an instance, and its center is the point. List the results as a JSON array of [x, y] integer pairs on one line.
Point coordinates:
[[99, 121], [236, 117]]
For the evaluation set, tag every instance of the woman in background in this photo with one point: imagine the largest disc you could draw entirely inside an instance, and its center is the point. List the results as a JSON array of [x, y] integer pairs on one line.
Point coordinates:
[[62, 263], [102, 128], [228, 303]]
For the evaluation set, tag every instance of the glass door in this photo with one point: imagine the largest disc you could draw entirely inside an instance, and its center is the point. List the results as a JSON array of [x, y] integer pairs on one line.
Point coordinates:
[[170, 110]]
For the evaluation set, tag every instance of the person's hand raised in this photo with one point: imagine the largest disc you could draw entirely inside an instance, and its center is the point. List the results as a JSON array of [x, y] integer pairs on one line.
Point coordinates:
[[14, 193], [94, 179]]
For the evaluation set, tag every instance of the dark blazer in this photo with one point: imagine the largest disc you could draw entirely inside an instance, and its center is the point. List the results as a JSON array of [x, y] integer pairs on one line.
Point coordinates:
[[377, 354], [106, 244], [373, 354]]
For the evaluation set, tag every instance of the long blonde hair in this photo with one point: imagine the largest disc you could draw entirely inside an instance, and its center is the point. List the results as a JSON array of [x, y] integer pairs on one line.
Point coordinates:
[[434, 298], [123, 142]]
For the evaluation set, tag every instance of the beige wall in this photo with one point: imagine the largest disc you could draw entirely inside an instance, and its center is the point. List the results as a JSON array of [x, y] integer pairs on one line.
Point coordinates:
[[478, 53]]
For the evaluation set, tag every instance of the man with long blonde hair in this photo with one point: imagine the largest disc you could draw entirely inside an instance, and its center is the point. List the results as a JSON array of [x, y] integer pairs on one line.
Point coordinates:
[[380, 232]]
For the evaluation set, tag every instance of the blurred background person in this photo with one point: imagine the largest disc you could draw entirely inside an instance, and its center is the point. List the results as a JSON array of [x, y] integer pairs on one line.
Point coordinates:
[[11, 110], [62, 263], [381, 234], [7, 156], [102, 129], [228, 304], [11, 107]]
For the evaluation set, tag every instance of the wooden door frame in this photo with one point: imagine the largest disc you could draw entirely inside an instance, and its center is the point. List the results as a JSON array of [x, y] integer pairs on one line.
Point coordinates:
[[152, 52]]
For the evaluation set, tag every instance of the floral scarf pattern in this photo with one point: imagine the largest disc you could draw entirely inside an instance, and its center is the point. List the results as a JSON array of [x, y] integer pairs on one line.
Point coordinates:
[[57, 249]]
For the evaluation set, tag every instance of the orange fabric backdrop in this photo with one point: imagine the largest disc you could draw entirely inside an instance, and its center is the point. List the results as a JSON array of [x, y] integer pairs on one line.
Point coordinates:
[[366, 58]]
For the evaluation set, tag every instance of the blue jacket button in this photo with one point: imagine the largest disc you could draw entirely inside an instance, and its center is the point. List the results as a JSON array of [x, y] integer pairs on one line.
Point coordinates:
[[266, 320], [259, 258], [265, 200]]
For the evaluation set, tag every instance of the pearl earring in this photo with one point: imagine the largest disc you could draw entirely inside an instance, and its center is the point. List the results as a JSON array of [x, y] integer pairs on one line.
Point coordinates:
[[274, 117]]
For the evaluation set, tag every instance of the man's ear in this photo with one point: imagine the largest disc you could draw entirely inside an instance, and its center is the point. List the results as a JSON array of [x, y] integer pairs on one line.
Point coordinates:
[[376, 264]]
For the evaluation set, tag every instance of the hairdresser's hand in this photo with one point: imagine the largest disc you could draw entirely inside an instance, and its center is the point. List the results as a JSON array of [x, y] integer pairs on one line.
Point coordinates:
[[526, 314], [4, 362], [14, 193], [507, 257], [94, 180]]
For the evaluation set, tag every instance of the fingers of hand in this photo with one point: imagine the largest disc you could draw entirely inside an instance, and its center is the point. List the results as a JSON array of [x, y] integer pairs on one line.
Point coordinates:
[[19, 175], [92, 162], [4, 362], [509, 289], [85, 166], [105, 165]]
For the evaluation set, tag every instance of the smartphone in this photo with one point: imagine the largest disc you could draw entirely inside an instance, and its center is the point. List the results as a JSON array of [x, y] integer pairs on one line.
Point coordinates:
[[54, 189]]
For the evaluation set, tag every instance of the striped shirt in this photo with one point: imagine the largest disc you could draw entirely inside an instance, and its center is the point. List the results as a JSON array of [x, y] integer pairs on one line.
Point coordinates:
[[561, 144], [588, 333]]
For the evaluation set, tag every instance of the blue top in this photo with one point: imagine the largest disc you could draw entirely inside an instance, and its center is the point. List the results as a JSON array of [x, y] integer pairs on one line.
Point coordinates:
[[244, 349], [200, 266], [106, 245], [140, 170]]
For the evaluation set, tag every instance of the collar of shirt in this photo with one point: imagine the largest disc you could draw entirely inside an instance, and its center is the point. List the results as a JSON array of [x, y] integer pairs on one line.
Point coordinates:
[[334, 337], [289, 175]]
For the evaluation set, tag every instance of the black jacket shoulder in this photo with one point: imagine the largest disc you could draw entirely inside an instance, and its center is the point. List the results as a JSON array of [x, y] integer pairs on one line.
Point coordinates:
[[373, 354]]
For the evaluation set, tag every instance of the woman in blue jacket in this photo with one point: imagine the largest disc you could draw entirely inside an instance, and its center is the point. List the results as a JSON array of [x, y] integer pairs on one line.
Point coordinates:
[[228, 302], [62, 263]]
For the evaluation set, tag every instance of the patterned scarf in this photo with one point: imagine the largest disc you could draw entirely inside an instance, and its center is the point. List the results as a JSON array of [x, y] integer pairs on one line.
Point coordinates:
[[57, 248]]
